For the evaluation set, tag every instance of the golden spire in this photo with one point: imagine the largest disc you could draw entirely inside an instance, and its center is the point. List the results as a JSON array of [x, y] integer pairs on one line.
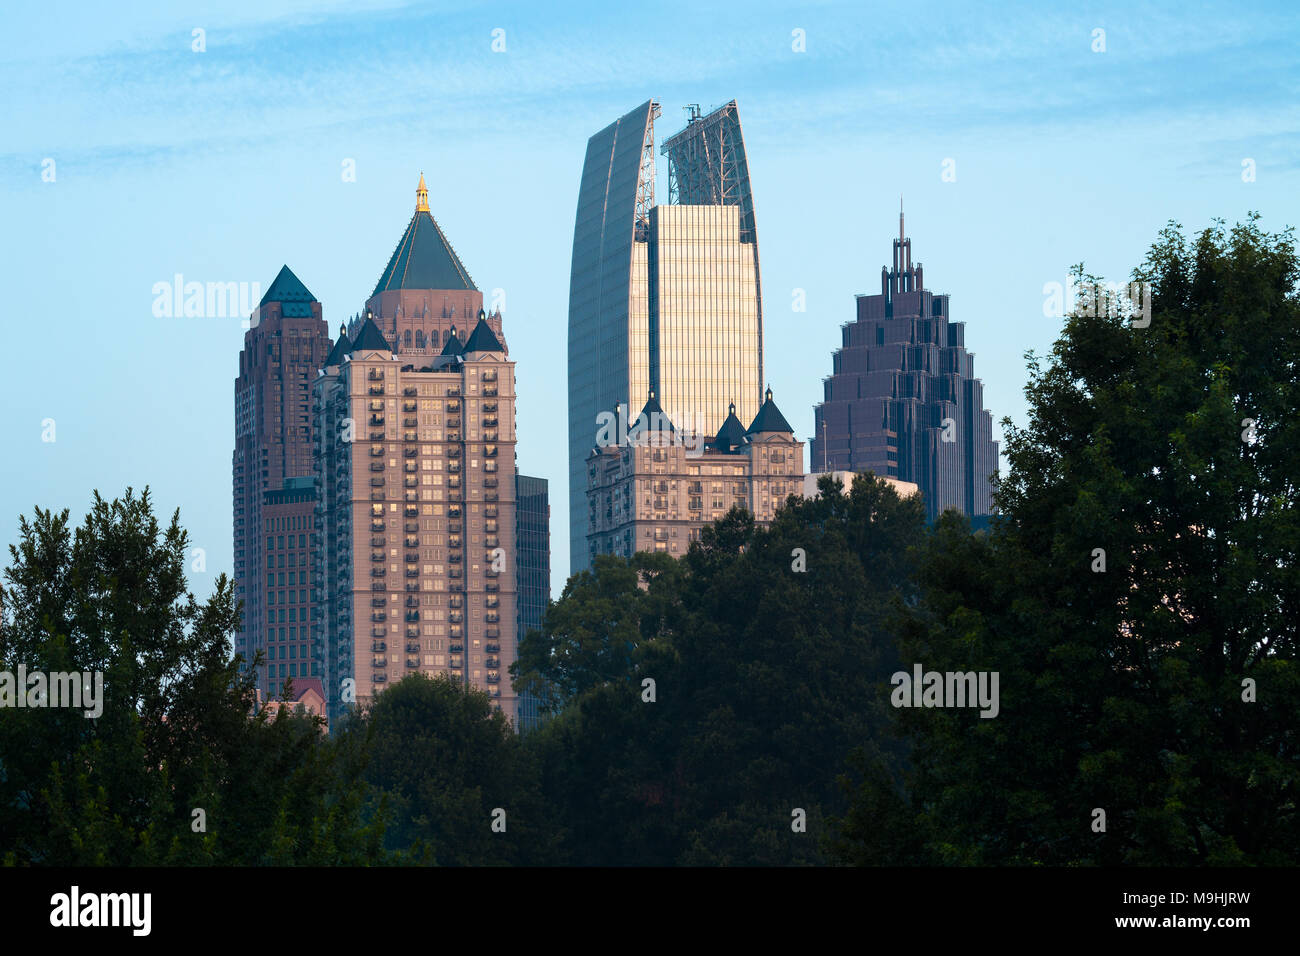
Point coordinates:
[[421, 196]]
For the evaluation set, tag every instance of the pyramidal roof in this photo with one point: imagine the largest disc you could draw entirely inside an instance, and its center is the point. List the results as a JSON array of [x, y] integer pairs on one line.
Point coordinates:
[[424, 259], [769, 418], [287, 289], [342, 347], [453, 346], [732, 433], [651, 409], [370, 338], [483, 339]]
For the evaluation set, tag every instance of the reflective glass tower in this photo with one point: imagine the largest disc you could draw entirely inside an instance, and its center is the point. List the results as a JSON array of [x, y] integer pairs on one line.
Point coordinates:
[[661, 298], [903, 400]]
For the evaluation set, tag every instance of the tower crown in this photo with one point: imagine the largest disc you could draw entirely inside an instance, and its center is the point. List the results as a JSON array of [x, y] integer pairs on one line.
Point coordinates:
[[424, 259], [905, 276]]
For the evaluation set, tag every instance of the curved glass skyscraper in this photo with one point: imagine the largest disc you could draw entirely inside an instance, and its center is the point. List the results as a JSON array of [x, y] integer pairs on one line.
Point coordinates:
[[663, 298]]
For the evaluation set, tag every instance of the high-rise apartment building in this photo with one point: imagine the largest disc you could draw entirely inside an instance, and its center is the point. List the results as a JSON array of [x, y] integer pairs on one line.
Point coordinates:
[[661, 298], [903, 401], [656, 491], [417, 564], [533, 560], [271, 468]]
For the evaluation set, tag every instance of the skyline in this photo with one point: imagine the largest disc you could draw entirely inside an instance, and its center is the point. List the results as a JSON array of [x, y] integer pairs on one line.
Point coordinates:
[[182, 181]]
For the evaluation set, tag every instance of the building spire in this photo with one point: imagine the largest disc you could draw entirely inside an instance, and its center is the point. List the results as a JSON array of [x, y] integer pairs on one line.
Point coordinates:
[[900, 218], [421, 196]]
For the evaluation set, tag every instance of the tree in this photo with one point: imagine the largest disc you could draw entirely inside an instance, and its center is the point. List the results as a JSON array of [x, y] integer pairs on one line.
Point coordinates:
[[763, 646], [175, 734], [456, 784], [1142, 576]]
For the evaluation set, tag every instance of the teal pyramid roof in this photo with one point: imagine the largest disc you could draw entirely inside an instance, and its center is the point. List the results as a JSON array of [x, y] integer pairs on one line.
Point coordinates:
[[651, 409], [424, 259], [287, 289], [370, 338], [769, 419], [453, 346], [732, 433], [483, 339], [342, 347]]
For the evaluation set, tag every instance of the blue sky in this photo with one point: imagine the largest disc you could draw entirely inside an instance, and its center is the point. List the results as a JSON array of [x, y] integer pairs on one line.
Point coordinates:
[[224, 164]]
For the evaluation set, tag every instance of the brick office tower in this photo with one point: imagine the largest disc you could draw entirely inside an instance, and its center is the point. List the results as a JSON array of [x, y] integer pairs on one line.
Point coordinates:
[[272, 480], [416, 566], [903, 400]]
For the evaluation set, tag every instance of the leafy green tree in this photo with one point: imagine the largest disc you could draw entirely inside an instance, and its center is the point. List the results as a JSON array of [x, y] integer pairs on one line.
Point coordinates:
[[175, 734], [443, 761], [764, 646], [1141, 579]]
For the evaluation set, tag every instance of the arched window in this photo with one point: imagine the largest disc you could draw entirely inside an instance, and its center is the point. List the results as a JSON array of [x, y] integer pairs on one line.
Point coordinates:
[[419, 338], [407, 338]]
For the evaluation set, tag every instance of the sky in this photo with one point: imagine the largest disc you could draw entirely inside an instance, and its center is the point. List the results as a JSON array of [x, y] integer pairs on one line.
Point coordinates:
[[1022, 139]]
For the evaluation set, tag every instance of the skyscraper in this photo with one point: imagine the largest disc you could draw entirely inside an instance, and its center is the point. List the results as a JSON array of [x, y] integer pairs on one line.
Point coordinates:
[[903, 400], [271, 471], [416, 565], [661, 298], [533, 561]]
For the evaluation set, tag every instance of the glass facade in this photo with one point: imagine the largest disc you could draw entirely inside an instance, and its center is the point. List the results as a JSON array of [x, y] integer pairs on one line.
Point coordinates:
[[661, 296], [903, 400], [533, 551], [607, 294], [704, 315]]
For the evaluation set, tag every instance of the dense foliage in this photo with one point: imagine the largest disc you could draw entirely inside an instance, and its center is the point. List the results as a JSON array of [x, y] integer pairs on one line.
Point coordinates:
[[1137, 597]]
